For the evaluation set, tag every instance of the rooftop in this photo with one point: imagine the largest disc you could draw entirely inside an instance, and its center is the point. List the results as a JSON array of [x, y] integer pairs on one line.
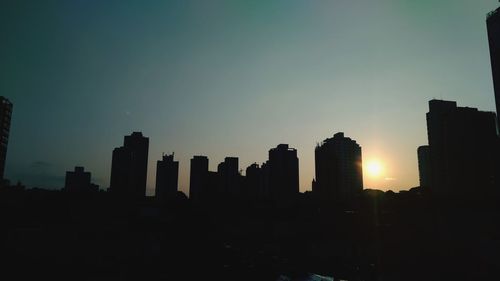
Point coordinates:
[[493, 13], [336, 137]]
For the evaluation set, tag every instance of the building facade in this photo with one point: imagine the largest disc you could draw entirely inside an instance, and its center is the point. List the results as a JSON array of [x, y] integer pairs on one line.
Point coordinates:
[[229, 177], [167, 177], [283, 171], [339, 172], [255, 182], [79, 181], [423, 154], [198, 178], [493, 26], [5, 117], [463, 143], [129, 166]]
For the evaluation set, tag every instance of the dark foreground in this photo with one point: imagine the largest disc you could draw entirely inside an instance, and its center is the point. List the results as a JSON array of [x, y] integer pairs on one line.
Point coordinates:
[[53, 235]]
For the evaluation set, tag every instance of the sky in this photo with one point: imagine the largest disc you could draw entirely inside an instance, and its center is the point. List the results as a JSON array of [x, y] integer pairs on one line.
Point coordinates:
[[234, 78]]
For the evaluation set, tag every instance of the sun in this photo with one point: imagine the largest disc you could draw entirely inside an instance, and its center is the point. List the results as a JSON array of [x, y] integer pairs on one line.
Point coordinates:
[[374, 168]]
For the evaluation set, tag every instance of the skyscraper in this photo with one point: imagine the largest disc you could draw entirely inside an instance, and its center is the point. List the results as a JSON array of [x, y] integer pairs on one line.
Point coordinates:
[[493, 25], [167, 175], [462, 146], [229, 176], [254, 182], [198, 177], [339, 173], [5, 116], [129, 166], [424, 165], [283, 168]]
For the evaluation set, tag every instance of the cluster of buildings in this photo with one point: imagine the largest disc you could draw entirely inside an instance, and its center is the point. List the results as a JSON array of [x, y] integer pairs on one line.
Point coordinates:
[[463, 149], [338, 162], [463, 152], [277, 178]]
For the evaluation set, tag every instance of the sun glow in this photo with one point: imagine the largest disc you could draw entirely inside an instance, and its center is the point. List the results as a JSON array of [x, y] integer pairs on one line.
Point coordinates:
[[374, 168]]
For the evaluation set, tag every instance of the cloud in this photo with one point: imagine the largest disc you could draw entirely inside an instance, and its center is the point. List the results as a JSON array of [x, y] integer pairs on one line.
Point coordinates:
[[45, 180], [40, 165]]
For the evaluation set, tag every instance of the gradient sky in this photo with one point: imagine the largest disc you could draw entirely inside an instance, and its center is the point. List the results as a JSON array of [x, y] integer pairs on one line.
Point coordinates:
[[233, 78]]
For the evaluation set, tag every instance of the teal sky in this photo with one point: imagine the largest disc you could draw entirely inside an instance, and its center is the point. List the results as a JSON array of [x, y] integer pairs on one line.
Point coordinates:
[[234, 78]]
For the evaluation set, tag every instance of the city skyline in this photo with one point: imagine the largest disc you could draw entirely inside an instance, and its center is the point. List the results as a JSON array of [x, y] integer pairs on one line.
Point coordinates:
[[387, 120]]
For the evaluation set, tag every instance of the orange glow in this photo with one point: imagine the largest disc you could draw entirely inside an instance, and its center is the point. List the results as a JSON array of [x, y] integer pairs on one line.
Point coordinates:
[[374, 168]]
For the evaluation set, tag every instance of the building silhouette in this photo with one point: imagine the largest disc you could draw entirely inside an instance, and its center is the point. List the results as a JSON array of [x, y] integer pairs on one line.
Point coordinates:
[[254, 182], [129, 166], [462, 147], [167, 176], [493, 26], [339, 173], [198, 178], [5, 116], [79, 181], [265, 189], [210, 190], [423, 154], [283, 168], [229, 177]]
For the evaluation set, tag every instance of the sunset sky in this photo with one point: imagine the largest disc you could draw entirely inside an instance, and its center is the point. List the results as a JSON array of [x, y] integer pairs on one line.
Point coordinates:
[[234, 78]]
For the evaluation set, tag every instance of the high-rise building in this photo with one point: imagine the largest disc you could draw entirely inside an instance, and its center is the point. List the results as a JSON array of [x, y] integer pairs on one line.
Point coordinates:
[[254, 182], [265, 191], [493, 25], [167, 175], [129, 166], [283, 168], [79, 181], [198, 178], [462, 146], [229, 176], [339, 172], [120, 169], [5, 116], [424, 165]]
